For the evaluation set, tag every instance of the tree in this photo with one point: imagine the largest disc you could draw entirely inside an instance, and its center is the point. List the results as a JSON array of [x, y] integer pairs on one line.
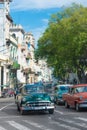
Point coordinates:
[[64, 41]]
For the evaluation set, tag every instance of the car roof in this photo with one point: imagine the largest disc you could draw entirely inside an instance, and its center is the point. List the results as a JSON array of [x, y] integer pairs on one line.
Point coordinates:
[[38, 93], [65, 85], [79, 85]]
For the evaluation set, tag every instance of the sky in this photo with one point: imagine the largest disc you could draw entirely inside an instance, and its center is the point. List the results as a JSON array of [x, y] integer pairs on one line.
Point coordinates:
[[34, 15]]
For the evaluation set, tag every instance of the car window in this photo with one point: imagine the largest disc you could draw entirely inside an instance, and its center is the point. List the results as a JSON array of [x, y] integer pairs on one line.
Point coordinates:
[[33, 88], [74, 90], [78, 89], [63, 88], [82, 89]]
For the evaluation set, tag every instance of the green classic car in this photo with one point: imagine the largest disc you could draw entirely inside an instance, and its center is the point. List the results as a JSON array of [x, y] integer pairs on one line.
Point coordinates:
[[32, 98], [60, 90]]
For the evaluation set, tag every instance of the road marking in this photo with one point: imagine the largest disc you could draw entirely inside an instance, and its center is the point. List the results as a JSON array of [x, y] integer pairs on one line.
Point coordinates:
[[65, 126], [80, 118], [6, 106], [18, 126], [50, 117], [59, 112], [42, 127], [1, 128], [73, 122], [2, 117], [65, 113]]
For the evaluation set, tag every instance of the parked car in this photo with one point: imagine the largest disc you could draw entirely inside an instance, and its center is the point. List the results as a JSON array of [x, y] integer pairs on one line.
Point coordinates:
[[32, 99], [59, 91], [76, 97], [10, 92], [7, 92]]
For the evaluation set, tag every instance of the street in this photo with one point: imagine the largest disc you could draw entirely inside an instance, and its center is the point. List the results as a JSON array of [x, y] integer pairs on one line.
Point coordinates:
[[62, 119]]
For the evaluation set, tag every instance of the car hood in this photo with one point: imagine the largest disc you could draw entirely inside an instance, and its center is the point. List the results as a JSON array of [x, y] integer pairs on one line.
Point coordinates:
[[36, 97], [84, 95]]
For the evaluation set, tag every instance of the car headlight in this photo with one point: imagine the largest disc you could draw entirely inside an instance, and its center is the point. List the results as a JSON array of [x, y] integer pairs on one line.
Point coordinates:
[[52, 104]]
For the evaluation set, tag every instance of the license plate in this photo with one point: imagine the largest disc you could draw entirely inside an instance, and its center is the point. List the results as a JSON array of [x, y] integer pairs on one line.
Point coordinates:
[[39, 108]]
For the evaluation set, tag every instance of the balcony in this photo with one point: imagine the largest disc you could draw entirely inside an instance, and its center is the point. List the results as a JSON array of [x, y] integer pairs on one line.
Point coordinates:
[[26, 70], [15, 66], [33, 46], [6, 0], [23, 48], [28, 56]]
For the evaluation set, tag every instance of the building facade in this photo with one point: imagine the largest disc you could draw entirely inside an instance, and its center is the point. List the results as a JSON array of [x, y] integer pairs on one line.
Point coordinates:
[[17, 62]]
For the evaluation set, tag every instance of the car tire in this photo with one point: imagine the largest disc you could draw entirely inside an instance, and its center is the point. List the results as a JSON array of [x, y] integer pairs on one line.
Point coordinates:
[[66, 105], [51, 111], [77, 107]]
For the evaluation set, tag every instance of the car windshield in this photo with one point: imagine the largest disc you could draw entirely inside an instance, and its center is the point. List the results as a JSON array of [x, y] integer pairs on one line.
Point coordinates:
[[63, 88], [32, 88], [81, 89]]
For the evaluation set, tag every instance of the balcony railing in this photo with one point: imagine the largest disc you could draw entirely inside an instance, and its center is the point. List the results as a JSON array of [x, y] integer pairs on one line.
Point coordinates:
[[15, 66], [28, 56], [23, 47]]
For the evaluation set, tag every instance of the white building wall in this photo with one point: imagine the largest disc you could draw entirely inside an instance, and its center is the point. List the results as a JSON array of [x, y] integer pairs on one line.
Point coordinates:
[[0, 80], [45, 73]]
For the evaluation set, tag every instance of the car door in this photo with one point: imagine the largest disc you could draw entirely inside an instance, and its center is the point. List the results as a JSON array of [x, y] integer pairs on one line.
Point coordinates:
[[73, 96], [70, 97]]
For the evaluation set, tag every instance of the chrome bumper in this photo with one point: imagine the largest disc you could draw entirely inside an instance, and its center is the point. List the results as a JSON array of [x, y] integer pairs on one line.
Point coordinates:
[[37, 108]]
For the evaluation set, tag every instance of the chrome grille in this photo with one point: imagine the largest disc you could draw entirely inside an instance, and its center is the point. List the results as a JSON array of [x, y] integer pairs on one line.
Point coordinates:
[[38, 104]]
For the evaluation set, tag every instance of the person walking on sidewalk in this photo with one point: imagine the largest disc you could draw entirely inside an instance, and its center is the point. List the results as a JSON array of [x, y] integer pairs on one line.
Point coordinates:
[[15, 93]]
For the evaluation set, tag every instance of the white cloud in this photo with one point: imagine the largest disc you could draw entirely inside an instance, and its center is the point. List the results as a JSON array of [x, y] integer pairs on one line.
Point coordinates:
[[43, 4], [17, 5], [45, 21]]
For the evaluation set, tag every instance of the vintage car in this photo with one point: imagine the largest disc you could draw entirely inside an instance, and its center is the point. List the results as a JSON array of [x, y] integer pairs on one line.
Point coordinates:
[[76, 97], [59, 91], [33, 99]]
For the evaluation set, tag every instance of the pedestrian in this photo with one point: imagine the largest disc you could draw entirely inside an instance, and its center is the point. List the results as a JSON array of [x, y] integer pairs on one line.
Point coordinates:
[[15, 93]]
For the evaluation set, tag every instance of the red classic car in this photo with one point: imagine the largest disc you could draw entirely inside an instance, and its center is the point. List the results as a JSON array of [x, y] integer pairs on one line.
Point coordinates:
[[76, 97]]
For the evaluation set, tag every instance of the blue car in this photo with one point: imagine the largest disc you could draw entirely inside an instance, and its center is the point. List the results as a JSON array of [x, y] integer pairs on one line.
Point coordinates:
[[60, 90]]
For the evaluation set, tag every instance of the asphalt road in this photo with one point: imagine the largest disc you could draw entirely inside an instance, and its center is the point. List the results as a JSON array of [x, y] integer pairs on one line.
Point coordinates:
[[62, 119]]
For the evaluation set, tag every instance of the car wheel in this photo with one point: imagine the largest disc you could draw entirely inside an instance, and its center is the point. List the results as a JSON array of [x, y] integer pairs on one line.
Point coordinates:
[[66, 105], [51, 111], [77, 107]]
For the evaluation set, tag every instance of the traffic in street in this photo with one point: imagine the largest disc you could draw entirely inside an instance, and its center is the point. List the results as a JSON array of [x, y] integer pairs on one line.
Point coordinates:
[[62, 119], [43, 65]]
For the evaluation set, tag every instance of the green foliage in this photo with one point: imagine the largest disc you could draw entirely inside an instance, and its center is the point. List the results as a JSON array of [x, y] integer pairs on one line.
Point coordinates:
[[65, 39]]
